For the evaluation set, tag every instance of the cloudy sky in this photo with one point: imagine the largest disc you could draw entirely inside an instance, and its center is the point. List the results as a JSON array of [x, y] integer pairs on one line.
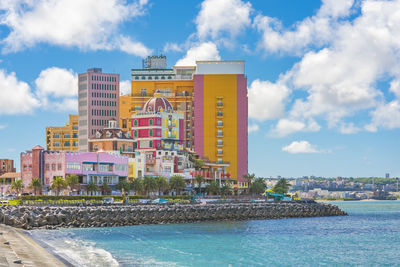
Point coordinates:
[[323, 76]]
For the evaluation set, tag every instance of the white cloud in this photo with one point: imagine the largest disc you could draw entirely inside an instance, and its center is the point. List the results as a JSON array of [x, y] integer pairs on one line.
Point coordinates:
[[16, 96], [252, 128], [88, 25], [57, 87], [301, 147], [203, 51], [125, 87], [267, 100], [385, 116], [2, 126], [315, 31], [341, 79], [218, 17], [286, 127], [172, 47], [134, 48]]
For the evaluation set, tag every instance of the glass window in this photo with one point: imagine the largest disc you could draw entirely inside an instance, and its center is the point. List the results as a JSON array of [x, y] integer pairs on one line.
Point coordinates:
[[75, 135], [135, 133], [219, 123], [151, 144], [56, 144], [219, 132], [53, 167], [59, 166], [67, 143], [151, 132], [219, 103], [219, 142], [219, 160], [219, 151], [56, 135], [150, 122], [47, 167], [143, 91], [219, 113], [136, 77], [73, 166]]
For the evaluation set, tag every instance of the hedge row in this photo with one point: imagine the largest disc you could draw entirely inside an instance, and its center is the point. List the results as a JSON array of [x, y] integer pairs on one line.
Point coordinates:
[[98, 198]]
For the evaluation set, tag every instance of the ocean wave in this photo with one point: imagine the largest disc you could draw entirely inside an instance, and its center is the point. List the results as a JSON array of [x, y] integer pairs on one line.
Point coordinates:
[[74, 250]]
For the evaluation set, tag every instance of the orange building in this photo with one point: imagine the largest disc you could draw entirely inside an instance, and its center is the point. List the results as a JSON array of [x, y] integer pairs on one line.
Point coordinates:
[[125, 113], [63, 138]]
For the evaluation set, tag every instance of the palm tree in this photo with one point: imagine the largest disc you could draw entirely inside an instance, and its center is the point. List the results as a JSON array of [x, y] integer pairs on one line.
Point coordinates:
[[91, 187], [213, 188], [162, 184], [58, 184], [258, 186], [149, 184], [137, 185], [177, 183], [249, 178], [281, 187], [72, 181], [226, 189], [17, 186], [105, 188], [36, 185], [123, 184], [199, 180]]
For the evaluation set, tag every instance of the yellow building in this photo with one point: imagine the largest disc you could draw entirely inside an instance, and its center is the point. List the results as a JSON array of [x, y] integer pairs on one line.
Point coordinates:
[[125, 113], [63, 138]]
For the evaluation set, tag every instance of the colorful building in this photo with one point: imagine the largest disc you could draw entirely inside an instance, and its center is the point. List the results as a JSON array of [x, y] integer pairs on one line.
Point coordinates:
[[63, 138], [6, 180], [88, 166], [125, 112], [220, 112], [113, 139], [174, 84], [98, 102], [6, 165]]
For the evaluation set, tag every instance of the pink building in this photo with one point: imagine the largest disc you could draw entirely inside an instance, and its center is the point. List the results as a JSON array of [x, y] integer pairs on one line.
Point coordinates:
[[98, 99], [89, 166]]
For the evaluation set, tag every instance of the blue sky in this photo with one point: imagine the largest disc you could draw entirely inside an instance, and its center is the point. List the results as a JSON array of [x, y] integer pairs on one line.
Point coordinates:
[[323, 76]]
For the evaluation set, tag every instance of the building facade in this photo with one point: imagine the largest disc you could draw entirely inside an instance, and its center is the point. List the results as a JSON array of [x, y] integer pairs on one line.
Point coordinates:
[[113, 139], [6, 180], [63, 138], [88, 166], [220, 111], [98, 99], [6, 165]]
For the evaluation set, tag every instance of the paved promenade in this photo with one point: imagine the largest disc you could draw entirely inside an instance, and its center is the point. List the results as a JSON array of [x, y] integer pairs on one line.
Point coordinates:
[[17, 249]]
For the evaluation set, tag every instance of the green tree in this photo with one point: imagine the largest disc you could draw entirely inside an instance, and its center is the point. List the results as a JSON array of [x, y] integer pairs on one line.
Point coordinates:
[[17, 186], [36, 185], [58, 184], [258, 186], [281, 187], [227, 189], [198, 163], [177, 183], [91, 187], [199, 180], [162, 184], [213, 188], [137, 185], [123, 184], [105, 188], [72, 181], [149, 184]]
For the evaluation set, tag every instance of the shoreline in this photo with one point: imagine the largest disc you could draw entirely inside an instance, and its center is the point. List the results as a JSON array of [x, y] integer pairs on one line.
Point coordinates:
[[19, 249]]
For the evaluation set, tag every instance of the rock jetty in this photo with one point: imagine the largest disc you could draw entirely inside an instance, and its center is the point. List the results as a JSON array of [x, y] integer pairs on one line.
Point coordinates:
[[31, 217]]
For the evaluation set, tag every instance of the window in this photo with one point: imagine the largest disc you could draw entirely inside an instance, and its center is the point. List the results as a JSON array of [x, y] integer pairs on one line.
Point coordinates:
[[219, 113], [47, 167], [75, 143], [219, 160], [105, 167], [56, 144], [56, 135], [59, 166], [219, 142], [53, 167], [24, 167], [150, 78], [219, 123], [143, 91], [30, 167], [75, 135], [151, 144], [219, 151], [143, 78], [151, 133], [135, 133], [136, 77], [219, 103], [162, 77], [73, 166], [67, 143], [150, 122], [87, 167], [121, 167], [219, 132]]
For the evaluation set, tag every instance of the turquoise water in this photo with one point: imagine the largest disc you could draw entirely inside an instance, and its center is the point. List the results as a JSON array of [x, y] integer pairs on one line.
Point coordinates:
[[370, 236]]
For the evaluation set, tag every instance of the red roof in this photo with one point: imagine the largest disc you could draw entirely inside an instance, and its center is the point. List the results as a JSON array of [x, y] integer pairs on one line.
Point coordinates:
[[38, 148]]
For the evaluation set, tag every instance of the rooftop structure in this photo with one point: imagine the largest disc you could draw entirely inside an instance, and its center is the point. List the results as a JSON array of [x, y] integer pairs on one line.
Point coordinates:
[[6, 165]]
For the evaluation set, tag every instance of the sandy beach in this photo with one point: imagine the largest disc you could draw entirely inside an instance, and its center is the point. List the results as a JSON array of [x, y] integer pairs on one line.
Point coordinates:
[[18, 249]]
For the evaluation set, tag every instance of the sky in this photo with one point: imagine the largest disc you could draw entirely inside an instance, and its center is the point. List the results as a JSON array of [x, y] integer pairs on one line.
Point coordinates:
[[323, 77]]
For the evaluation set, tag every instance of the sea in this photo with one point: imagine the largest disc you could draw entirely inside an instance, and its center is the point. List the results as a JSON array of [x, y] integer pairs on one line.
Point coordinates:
[[369, 236]]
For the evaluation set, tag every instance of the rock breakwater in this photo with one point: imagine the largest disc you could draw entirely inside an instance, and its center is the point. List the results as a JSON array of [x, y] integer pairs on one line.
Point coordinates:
[[31, 217]]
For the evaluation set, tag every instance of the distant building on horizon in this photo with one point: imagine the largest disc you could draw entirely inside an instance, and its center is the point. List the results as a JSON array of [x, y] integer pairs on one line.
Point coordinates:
[[64, 138], [98, 102], [6, 165]]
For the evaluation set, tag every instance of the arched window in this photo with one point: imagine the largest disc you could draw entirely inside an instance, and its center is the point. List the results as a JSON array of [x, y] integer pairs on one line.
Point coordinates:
[[151, 122], [135, 122], [151, 132]]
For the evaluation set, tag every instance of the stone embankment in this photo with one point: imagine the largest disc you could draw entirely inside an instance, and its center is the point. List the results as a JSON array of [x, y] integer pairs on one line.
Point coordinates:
[[31, 217]]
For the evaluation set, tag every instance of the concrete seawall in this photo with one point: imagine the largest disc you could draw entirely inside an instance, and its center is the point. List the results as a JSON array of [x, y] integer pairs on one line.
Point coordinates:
[[31, 217]]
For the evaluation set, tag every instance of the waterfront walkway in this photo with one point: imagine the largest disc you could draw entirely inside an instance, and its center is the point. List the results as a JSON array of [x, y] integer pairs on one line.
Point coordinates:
[[17, 249]]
